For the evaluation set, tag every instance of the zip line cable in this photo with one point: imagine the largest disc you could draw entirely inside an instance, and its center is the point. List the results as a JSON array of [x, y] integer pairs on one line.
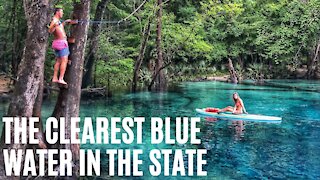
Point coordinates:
[[81, 21], [124, 19], [115, 22], [142, 4]]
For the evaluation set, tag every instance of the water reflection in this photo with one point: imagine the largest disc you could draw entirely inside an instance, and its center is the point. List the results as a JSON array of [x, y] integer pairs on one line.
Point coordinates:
[[239, 128], [236, 126]]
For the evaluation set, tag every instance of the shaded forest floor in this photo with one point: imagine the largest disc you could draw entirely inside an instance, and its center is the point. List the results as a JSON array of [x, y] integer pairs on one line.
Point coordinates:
[[5, 84]]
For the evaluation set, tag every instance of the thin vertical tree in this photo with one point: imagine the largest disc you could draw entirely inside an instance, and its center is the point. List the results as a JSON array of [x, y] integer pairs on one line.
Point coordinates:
[[313, 59], [158, 75], [93, 43], [138, 62]]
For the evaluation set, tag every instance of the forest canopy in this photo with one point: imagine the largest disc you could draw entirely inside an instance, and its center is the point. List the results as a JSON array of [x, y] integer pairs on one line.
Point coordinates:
[[264, 39]]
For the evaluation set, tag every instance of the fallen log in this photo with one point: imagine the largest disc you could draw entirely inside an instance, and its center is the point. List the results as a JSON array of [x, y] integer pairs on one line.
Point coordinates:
[[94, 92]]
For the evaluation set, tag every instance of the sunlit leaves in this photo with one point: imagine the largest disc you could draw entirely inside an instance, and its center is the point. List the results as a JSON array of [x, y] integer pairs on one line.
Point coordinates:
[[114, 73]]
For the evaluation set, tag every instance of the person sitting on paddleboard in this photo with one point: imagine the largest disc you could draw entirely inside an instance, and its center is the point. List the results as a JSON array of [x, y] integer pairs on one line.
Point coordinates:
[[238, 106]]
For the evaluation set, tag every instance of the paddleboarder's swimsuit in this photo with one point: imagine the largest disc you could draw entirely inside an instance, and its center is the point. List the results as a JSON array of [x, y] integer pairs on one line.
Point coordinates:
[[239, 108]]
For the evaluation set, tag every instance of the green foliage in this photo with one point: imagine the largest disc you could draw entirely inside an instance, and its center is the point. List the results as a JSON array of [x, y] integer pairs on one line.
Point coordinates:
[[241, 73], [183, 72], [184, 42], [257, 72], [13, 29], [145, 77], [114, 74], [262, 33]]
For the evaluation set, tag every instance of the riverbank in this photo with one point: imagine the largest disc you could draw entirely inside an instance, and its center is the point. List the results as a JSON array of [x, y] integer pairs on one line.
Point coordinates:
[[224, 78], [6, 88], [6, 83]]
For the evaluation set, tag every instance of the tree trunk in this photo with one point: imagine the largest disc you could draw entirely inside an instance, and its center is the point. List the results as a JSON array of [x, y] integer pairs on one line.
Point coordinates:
[[313, 61], [156, 74], [69, 98], [233, 73], [137, 65], [94, 42], [160, 82], [37, 112], [29, 79], [240, 61]]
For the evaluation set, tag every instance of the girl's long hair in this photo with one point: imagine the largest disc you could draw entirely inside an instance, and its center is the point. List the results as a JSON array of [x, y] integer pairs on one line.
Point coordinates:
[[235, 101]]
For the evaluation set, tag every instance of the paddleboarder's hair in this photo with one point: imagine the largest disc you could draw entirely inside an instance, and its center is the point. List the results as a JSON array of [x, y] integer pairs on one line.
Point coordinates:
[[233, 96]]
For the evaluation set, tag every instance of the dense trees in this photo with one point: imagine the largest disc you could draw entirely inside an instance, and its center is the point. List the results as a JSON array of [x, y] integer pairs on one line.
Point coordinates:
[[13, 30], [185, 39], [264, 39]]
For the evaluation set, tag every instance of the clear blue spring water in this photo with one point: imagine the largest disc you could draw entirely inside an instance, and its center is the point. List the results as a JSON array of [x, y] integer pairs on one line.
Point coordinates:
[[235, 149]]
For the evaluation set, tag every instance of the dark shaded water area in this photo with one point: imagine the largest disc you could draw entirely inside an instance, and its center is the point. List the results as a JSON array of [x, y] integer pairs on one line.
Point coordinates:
[[235, 149]]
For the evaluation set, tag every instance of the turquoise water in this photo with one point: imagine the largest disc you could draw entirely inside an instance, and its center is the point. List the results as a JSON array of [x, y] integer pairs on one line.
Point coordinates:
[[311, 85], [235, 149]]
